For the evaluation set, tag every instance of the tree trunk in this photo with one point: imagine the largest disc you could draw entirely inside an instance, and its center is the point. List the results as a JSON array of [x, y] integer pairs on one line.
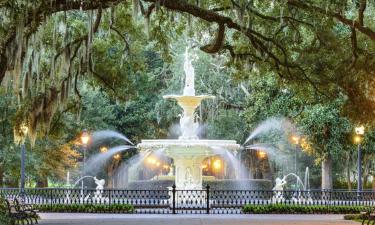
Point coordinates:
[[366, 170], [42, 182], [327, 173], [1, 176], [348, 178], [373, 182], [3, 66], [110, 176]]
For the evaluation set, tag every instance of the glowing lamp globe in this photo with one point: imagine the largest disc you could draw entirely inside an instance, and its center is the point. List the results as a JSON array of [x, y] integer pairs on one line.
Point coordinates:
[[85, 137], [360, 130]]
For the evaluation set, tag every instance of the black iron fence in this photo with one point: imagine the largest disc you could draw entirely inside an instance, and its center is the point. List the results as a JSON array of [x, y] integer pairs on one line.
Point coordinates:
[[188, 201]]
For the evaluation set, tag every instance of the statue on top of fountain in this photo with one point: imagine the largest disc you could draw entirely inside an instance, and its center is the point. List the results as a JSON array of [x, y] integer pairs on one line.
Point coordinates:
[[188, 101], [189, 89]]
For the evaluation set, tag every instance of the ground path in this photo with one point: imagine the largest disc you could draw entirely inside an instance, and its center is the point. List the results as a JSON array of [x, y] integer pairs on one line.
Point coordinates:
[[147, 219]]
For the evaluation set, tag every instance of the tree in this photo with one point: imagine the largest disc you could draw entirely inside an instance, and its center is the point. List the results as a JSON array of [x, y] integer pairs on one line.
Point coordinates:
[[324, 131], [49, 49], [328, 131], [300, 41]]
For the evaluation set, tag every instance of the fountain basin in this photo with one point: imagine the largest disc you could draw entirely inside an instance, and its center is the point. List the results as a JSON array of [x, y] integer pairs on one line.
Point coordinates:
[[189, 101], [188, 156], [226, 184], [195, 147]]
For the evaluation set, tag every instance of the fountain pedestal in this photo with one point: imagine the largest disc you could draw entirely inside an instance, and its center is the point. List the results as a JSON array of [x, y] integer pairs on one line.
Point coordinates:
[[188, 173], [188, 156]]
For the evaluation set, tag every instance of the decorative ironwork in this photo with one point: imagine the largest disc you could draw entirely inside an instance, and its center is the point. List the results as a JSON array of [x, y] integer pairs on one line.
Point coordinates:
[[203, 201]]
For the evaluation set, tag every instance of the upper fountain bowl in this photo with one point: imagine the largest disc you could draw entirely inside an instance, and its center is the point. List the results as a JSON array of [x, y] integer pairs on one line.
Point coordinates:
[[186, 101]]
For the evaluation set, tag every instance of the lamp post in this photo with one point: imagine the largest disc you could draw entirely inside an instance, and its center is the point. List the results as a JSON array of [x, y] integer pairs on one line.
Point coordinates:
[[24, 130], [360, 131], [84, 139]]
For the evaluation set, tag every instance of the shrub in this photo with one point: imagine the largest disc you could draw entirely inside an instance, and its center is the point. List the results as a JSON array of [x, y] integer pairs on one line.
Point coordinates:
[[4, 217], [302, 209], [353, 217], [86, 208]]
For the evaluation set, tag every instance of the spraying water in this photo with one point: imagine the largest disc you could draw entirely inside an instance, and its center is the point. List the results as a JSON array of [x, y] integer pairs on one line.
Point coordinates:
[[269, 148], [239, 168], [97, 161], [271, 124], [105, 134]]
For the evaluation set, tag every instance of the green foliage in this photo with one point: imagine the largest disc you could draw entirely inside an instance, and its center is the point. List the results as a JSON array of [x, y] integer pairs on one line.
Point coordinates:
[[227, 124], [118, 74], [356, 217], [301, 209], [326, 128], [4, 216], [86, 208]]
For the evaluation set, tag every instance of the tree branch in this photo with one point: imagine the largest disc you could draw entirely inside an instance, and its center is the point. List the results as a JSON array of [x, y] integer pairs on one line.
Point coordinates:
[[361, 10], [36, 16], [218, 43], [353, 38], [127, 45], [84, 37], [351, 23]]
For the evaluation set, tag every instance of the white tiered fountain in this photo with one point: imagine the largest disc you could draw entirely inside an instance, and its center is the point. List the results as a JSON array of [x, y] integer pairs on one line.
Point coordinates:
[[188, 152]]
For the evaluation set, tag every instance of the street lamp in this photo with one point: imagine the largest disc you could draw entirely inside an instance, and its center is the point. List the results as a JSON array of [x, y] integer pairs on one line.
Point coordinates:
[[24, 130], [360, 131], [85, 137]]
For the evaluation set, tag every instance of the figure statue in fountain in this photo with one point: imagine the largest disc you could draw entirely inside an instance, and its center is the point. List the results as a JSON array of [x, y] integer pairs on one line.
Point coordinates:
[[188, 126], [189, 183], [99, 189], [278, 190], [279, 186], [298, 196]]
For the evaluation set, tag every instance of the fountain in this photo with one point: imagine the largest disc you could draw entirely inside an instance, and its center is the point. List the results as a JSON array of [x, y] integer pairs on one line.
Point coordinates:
[[84, 199], [188, 151], [300, 196]]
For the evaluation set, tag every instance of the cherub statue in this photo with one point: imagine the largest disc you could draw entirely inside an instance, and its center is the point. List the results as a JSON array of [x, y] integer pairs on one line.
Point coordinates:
[[279, 186], [99, 183]]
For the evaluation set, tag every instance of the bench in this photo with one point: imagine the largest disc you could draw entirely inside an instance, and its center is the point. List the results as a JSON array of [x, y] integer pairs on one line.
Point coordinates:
[[27, 208], [20, 213], [368, 215]]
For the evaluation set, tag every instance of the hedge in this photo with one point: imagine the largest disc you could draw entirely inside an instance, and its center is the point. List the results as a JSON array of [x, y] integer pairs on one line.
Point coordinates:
[[301, 209], [353, 217], [86, 208], [4, 216]]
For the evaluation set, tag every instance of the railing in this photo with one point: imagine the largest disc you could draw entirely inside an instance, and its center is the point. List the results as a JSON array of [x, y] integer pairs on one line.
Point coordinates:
[[189, 201]]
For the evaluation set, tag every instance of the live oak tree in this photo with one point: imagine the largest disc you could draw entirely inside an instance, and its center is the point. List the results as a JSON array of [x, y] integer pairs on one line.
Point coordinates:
[[325, 47], [321, 49], [326, 133]]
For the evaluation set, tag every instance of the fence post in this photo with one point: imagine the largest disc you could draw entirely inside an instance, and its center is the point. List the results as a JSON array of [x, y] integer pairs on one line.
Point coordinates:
[[174, 198], [208, 199], [109, 197], [51, 197]]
